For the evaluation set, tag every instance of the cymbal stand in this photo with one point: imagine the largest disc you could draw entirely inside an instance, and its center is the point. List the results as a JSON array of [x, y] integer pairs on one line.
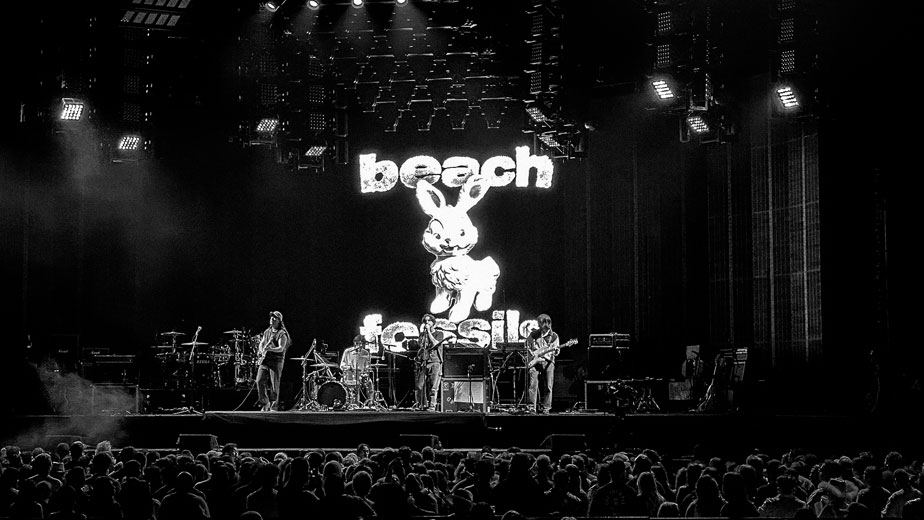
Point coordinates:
[[307, 402], [376, 400]]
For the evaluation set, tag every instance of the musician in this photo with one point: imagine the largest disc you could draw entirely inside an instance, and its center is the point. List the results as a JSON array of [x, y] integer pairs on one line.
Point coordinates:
[[274, 342], [354, 362], [429, 364], [544, 343]]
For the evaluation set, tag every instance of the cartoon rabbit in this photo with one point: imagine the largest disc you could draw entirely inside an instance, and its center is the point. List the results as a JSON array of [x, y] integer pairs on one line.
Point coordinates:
[[460, 280]]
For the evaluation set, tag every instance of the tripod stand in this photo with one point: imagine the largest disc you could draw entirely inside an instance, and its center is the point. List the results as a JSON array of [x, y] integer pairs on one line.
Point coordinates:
[[308, 400], [375, 400]]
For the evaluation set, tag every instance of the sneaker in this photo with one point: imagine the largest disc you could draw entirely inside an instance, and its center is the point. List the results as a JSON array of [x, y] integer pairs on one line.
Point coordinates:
[[431, 408]]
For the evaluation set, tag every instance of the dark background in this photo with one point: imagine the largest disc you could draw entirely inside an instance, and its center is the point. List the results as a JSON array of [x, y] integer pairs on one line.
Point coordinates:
[[214, 234]]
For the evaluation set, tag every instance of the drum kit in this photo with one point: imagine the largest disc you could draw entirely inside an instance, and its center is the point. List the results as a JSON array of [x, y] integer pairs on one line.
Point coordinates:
[[327, 388], [196, 364]]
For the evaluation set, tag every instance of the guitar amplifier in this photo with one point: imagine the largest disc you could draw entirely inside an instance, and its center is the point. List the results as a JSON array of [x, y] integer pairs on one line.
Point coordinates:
[[465, 362], [610, 340]]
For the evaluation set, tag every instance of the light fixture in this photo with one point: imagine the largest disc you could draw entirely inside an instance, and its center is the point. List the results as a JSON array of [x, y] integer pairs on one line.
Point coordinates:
[[267, 125], [129, 143], [313, 4], [316, 150], [787, 97], [71, 109], [697, 123], [662, 88], [401, 2], [357, 3], [273, 5]]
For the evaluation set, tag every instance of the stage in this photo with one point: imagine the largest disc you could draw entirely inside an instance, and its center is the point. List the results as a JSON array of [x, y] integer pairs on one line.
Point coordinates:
[[676, 434]]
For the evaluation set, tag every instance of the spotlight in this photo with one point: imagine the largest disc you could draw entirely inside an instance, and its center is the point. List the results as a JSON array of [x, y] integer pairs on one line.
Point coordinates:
[[662, 89], [401, 2], [697, 123], [129, 143], [313, 4], [788, 98], [357, 3], [316, 151], [273, 5], [267, 125], [71, 109]]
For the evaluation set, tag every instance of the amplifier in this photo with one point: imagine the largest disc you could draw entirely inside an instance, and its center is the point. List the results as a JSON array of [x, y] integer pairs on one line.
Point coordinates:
[[465, 362], [462, 395], [610, 340]]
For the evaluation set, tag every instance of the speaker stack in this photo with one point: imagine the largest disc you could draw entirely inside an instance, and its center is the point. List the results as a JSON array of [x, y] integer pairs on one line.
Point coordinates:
[[608, 362], [464, 387]]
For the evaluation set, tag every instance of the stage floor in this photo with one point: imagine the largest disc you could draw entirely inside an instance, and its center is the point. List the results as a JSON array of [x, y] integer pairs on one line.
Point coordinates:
[[293, 430]]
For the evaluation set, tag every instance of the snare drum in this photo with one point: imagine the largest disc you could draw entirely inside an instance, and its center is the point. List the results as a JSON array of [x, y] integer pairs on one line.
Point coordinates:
[[332, 394]]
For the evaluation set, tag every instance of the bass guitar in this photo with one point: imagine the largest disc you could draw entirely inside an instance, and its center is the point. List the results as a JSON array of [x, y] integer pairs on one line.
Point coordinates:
[[540, 354]]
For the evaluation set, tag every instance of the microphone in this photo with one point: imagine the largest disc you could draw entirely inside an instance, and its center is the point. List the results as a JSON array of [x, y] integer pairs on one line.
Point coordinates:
[[470, 368]]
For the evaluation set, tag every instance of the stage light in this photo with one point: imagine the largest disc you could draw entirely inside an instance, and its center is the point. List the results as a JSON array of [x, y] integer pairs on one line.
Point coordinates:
[[536, 114], [401, 2], [313, 4], [788, 98], [357, 3], [129, 143], [267, 125], [273, 5], [71, 109], [662, 89], [316, 151], [697, 123]]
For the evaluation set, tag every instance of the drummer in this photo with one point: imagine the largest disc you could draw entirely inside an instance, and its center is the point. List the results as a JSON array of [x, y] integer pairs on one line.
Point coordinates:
[[355, 366]]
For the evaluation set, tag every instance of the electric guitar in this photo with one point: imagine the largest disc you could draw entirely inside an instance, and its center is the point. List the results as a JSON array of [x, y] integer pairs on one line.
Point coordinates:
[[539, 355]]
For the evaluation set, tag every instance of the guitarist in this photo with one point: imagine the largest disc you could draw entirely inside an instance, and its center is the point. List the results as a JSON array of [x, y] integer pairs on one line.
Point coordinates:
[[429, 364], [271, 352], [541, 375]]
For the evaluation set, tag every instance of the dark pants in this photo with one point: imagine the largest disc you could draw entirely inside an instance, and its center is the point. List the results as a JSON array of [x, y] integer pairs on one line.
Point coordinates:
[[428, 384], [268, 377]]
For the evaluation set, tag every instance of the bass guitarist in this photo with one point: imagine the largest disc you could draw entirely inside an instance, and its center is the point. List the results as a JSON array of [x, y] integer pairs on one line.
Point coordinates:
[[542, 345], [429, 364], [271, 353]]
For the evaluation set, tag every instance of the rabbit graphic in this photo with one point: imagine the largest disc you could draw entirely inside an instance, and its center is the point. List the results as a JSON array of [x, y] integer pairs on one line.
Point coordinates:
[[460, 280]]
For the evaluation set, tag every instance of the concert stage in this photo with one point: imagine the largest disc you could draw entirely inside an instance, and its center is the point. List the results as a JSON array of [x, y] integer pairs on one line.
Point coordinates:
[[676, 434]]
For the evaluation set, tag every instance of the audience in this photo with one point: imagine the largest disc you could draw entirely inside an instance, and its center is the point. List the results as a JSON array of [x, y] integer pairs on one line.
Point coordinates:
[[69, 482]]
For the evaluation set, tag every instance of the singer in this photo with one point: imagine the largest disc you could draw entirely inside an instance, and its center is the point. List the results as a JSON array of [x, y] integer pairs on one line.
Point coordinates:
[[271, 356], [429, 364]]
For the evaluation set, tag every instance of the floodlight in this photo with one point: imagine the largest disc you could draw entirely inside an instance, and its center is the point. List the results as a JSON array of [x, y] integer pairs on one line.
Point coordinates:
[[313, 4], [316, 151], [536, 114], [787, 97], [357, 3], [129, 143], [697, 123], [400, 2], [71, 109], [662, 89], [267, 125]]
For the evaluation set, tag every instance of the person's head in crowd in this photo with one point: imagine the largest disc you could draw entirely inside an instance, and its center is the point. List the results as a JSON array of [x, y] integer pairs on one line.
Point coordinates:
[[251, 515], [755, 461], [669, 510], [362, 483], [618, 471], [184, 482], [335, 456], [641, 464], [41, 464], [560, 480], [514, 515], [267, 476], [363, 451], [858, 511], [131, 469], [481, 511], [103, 447], [901, 478], [733, 487], [315, 460], [101, 463], [893, 460], [103, 488], [428, 453], [707, 489], [62, 450], [647, 484], [333, 485], [519, 465], [785, 484], [76, 450]]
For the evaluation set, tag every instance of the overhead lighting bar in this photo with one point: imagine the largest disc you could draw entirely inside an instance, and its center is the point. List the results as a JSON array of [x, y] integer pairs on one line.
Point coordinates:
[[787, 97], [71, 109]]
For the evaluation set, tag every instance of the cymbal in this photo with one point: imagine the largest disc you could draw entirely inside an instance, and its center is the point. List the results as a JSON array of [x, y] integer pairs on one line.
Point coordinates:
[[324, 365], [234, 332], [173, 333], [297, 358], [378, 365], [162, 346], [194, 343]]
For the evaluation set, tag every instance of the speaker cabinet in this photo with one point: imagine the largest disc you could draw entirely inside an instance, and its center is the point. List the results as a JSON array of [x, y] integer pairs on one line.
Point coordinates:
[[463, 395], [465, 362]]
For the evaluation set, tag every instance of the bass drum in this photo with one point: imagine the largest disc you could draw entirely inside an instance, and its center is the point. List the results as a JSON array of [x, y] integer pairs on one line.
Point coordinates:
[[332, 394]]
